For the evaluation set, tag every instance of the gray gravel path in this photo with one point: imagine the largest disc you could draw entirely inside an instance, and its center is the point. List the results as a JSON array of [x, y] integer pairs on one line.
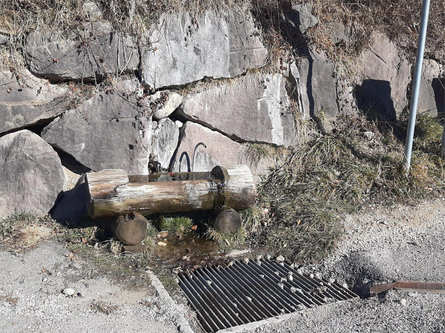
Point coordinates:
[[31, 298]]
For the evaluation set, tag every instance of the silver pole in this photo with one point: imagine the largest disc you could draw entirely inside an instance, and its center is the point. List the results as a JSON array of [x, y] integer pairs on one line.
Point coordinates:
[[416, 86], [442, 147]]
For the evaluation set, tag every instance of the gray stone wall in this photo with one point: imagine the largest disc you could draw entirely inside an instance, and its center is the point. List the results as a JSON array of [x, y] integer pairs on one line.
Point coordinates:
[[202, 87]]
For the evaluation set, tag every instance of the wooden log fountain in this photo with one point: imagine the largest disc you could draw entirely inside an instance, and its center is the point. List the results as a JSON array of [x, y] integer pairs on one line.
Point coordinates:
[[112, 192]]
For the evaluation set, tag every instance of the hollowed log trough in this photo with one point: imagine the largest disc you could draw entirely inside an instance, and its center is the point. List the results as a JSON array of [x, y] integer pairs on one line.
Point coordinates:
[[113, 193]]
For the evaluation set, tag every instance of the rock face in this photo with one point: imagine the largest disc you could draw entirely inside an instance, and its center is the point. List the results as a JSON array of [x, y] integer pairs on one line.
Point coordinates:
[[25, 100], [31, 175], [316, 77], [301, 17], [431, 94], [219, 150], [253, 108], [108, 131], [89, 56], [164, 142], [217, 44], [385, 76], [163, 103], [3, 39]]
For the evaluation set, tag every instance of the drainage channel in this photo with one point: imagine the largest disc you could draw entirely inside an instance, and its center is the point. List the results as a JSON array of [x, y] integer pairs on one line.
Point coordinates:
[[249, 291]]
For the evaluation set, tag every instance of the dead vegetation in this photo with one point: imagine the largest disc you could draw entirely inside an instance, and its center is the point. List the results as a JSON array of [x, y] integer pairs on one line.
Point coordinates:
[[103, 307], [305, 198], [22, 232], [399, 19]]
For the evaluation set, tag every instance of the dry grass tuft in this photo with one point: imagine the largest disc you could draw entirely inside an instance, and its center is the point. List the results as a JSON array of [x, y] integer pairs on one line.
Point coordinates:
[[335, 174], [228, 241], [399, 19], [103, 307]]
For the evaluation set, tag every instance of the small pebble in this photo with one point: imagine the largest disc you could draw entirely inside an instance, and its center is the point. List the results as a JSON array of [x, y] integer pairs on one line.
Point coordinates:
[[403, 302], [69, 291], [280, 258]]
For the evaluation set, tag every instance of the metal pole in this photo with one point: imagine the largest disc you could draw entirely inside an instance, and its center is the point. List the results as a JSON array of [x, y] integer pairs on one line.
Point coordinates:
[[442, 147], [416, 86]]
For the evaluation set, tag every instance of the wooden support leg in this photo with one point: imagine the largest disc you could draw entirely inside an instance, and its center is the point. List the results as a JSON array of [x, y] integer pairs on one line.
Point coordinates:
[[228, 221], [130, 229]]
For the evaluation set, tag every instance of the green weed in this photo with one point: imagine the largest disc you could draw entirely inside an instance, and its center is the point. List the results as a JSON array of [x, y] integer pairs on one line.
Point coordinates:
[[175, 225], [228, 241]]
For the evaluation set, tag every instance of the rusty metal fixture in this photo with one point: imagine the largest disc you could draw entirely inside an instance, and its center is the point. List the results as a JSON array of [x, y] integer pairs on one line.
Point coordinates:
[[246, 291], [418, 286]]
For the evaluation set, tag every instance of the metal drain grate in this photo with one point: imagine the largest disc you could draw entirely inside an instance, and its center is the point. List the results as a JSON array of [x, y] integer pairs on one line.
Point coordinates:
[[246, 291]]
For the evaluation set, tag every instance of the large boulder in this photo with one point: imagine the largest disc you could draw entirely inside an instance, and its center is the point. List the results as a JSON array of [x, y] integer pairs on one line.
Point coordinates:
[[301, 18], [31, 175], [26, 100], [163, 103], [384, 76], [431, 90], [253, 108], [165, 141], [203, 149], [216, 44], [218, 149], [318, 88], [88, 55], [108, 131]]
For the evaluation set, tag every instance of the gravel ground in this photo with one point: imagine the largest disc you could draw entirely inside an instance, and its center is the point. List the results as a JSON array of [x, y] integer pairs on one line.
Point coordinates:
[[381, 245], [31, 297]]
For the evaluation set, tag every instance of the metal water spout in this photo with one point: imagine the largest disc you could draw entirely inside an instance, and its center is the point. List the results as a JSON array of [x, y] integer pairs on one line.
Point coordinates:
[[188, 161], [194, 153]]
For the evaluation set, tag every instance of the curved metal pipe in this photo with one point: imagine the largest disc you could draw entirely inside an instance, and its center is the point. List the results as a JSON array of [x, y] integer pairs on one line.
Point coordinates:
[[188, 161], [194, 153]]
